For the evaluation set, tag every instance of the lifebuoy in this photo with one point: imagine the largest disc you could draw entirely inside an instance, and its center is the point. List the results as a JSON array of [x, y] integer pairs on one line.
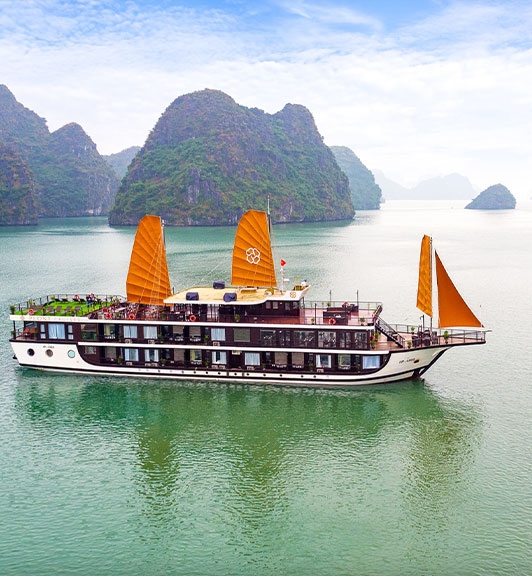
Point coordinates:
[[192, 318], [332, 321], [31, 311], [131, 316], [108, 316]]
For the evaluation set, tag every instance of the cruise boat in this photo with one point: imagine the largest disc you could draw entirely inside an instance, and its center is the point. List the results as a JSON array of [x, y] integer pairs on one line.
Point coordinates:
[[251, 330]]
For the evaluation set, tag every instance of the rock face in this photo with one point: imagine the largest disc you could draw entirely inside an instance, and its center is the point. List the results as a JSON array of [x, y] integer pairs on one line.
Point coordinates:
[[365, 193], [17, 198], [70, 176], [208, 160], [496, 197]]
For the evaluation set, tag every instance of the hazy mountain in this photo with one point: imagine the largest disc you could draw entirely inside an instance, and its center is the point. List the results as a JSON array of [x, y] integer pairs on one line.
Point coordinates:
[[120, 161], [450, 187], [365, 193], [208, 159]]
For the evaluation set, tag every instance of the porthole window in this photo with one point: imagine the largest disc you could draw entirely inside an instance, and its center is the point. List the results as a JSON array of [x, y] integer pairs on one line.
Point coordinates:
[[71, 354], [31, 352], [49, 353]]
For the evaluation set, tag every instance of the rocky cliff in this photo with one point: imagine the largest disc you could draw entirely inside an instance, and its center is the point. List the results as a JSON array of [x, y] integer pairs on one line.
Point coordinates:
[[70, 176], [208, 160], [365, 193], [17, 197]]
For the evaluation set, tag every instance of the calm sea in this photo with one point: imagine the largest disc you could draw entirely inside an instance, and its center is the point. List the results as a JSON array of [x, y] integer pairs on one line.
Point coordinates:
[[105, 476]]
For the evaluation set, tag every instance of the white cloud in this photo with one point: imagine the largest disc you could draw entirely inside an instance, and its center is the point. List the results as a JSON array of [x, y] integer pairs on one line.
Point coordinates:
[[446, 94]]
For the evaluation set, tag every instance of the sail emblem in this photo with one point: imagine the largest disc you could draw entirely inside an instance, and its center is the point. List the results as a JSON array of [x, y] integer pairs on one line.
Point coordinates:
[[253, 255]]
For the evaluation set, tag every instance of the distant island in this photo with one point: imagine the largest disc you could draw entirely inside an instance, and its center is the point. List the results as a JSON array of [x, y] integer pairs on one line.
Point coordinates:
[[496, 197]]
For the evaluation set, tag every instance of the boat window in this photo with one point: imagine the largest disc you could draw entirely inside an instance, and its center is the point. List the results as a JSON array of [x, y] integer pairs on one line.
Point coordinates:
[[241, 335], [90, 350], [130, 331], [283, 337], [150, 332], [56, 331], [151, 355], [219, 357], [344, 361], [252, 358], [195, 333], [70, 332], [304, 337], [88, 332], [42, 328], [131, 354], [110, 352], [218, 334], [281, 359], [323, 360], [360, 339], [371, 362], [179, 355], [298, 359], [195, 356], [267, 337], [327, 339]]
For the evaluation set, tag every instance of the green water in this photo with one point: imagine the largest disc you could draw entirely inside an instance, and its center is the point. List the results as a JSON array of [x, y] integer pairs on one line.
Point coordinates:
[[105, 476]]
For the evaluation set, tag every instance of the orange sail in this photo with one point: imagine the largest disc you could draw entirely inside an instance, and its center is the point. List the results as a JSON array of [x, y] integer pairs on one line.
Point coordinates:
[[252, 252], [424, 288], [147, 278], [453, 311]]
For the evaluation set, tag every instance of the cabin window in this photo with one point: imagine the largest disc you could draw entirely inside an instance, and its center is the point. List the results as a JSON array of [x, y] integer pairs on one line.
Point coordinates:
[[131, 354], [151, 355], [267, 337], [130, 331], [241, 335], [218, 334], [219, 357], [110, 352], [150, 332], [179, 356], [304, 338], [89, 332], [298, 360], [90, 350], [70, 332], [360, 340], [42, 329], [344, 361], [371, 362], [252, 359], [56, 331], [327, 339], [275, 305], [195, 356], [323, 360], [281, 359], [194, 333], [284, 337]]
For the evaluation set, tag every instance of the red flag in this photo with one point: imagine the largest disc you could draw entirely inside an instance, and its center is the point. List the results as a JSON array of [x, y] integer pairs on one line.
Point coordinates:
[[283, 263]]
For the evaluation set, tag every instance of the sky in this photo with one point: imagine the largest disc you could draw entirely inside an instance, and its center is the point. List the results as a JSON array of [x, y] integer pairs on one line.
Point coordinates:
[[417, 89]]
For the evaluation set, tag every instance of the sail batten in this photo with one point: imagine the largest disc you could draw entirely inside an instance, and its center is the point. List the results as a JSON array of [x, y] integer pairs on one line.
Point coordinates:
[[148, 281], [252, 252]]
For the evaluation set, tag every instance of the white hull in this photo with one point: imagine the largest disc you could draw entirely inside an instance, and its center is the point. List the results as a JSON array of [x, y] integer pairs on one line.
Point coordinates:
[[400, 365]]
